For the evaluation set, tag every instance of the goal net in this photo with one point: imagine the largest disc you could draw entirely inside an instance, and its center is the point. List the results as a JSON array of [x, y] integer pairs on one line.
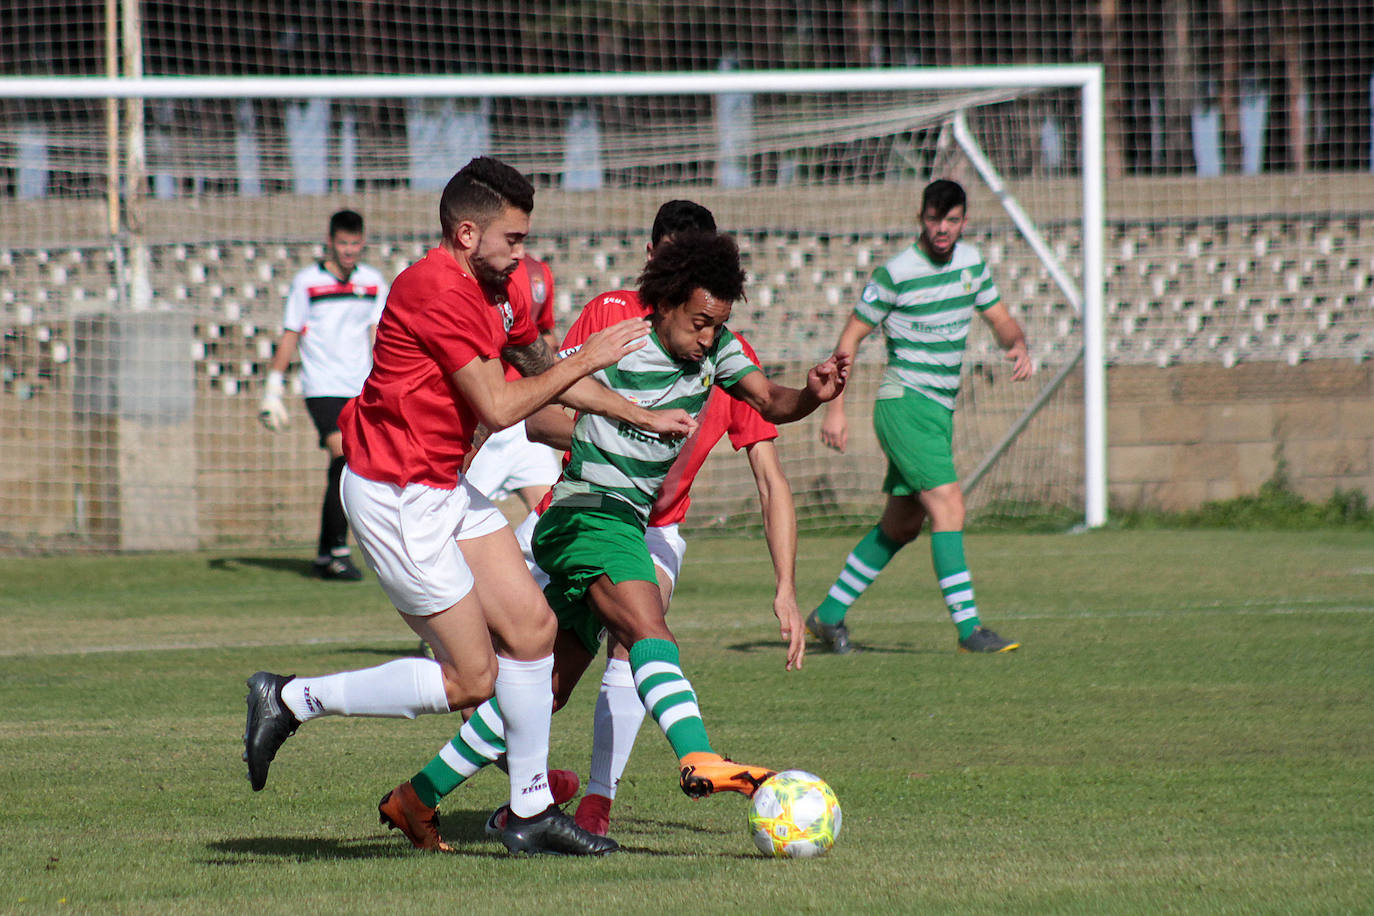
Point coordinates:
[[150, 240]]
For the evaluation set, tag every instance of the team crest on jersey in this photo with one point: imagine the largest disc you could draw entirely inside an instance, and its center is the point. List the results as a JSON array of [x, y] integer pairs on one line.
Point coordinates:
[[538, 290], [507, 316], [966, 278]]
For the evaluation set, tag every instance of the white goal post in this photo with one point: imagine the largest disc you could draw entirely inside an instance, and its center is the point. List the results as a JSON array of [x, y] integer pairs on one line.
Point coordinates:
[[965, 89]]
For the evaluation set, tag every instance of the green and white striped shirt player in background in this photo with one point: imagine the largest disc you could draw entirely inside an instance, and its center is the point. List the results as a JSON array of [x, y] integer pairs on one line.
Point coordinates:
[[590, 541], [924, 299]]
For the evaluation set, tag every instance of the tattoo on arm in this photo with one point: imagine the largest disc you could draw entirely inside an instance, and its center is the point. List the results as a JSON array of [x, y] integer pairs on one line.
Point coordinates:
[[531, 359]]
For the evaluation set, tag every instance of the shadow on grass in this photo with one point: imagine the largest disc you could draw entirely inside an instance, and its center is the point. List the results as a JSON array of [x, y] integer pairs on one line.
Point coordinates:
[[302, 568], [815, 649], [411, 651], [239, 850], [463, 829]]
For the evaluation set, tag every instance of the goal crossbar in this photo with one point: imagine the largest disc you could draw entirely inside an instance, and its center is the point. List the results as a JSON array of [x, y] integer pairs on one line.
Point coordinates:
[[1086, 79]]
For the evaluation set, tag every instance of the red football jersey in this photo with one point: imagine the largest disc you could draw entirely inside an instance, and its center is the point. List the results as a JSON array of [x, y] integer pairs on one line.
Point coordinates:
[[533, 280], [410, 424], [723, 414]]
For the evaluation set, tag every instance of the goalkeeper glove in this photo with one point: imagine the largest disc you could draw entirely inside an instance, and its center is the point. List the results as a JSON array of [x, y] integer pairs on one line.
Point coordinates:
[[271, 411]]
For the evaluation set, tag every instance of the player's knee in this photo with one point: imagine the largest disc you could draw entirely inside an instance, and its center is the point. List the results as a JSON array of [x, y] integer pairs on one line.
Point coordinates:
[[543, 629], [902, 528], [534, 638], [471, 687]]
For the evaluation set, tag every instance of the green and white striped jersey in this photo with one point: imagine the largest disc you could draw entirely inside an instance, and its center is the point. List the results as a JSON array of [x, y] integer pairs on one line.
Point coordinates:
[[925, 310], [610, 458]]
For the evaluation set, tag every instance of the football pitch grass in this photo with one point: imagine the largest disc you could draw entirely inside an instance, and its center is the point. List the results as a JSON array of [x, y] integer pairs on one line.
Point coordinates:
[[1188, 728]]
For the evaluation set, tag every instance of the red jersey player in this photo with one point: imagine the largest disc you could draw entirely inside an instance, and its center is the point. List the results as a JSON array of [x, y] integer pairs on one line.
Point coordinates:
[[508, 463], [619, 709], [443, 554]]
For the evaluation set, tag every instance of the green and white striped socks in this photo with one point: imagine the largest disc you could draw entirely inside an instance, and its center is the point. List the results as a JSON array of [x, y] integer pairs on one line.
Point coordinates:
[[874, 552], [947, 553], [480, 741], [668, 695], [861, 567]]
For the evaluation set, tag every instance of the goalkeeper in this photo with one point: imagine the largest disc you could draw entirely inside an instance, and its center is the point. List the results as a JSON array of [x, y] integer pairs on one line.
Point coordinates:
[[331, 319], [925, 299]]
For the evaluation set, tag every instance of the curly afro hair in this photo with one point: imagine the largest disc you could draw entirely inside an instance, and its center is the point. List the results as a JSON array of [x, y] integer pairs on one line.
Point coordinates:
[[688, 261]]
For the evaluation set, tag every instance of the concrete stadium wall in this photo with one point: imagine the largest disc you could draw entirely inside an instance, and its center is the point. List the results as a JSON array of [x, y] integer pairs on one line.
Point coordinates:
[[1287, 297], [1188, 434]]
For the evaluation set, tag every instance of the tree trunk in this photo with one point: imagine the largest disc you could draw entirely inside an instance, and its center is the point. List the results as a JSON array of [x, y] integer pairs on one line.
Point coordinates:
[[1114, 142], [1229, 90], [1290, 44], [1179, 86]]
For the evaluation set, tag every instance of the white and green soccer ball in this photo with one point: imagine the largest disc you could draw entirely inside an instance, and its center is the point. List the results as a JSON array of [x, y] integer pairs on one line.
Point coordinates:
[[794, 815]]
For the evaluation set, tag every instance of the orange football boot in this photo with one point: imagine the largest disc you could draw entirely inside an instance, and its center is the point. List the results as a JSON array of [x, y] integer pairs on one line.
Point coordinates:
[[704, 774], [402, 810]]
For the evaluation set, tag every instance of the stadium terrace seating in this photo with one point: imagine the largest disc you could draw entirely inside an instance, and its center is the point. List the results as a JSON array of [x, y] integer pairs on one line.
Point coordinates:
[[1247, 289]]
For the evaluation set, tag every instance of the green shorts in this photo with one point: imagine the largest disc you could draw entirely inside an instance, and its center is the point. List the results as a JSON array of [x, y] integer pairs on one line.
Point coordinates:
[[576, 546], [916, 435]]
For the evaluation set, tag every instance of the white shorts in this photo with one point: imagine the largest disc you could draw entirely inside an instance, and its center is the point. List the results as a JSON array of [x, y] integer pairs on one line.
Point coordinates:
[[666, 549], [508, 461], [409, 536]]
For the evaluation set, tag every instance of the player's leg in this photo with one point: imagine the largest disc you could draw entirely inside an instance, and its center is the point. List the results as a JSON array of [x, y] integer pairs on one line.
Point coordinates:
[[482, 738], [408, 538], [945, 505], [571, 656], [596, 557], [513, 724], [903, 439], [619, 711], [332, 558], [523, 629], [899, 525], [632, 612], [412, 807]]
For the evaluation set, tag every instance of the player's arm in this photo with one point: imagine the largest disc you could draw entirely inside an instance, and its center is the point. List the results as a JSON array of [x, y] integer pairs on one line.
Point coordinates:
[[552, 426], [499, 403], [587, 395], [834, 423], [1011, 338], [780, 530], [781, 404], [271, 409]]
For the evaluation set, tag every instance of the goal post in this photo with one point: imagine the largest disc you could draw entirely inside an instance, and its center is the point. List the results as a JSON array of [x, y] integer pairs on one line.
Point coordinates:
[[818, 173]]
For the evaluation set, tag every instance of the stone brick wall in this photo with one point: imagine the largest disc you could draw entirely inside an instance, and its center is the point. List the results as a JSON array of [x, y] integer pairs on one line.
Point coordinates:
[[1187, 434]]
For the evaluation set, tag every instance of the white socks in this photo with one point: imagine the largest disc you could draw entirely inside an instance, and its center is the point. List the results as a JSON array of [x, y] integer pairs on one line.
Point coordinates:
[[402, 689], [524, 691], [619, 713]]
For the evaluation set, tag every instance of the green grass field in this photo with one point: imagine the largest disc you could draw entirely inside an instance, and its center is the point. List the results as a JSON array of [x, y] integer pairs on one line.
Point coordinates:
[[1189, 728]]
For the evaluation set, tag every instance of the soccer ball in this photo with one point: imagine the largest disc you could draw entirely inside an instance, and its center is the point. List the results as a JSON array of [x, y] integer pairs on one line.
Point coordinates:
[[794, 815]]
